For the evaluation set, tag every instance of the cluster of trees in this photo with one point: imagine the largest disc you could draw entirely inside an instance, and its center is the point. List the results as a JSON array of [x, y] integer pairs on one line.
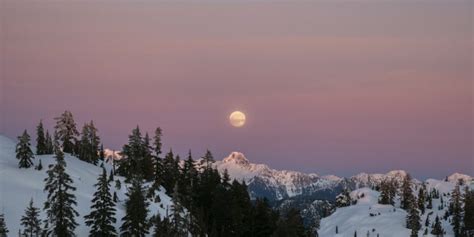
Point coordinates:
[[461, 206], [216, 205], [460, 212], [87, 147], [205, 203]]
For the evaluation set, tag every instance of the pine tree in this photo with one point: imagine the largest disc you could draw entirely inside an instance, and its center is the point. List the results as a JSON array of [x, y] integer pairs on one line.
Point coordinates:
[[111, 176], [387, 192], [162, 227], [170, 172], [430, 202], [264, 222], [23, 151], [60, 202], [41, 148], [468, 219], [413, 219], [407, 197], [66, 131], [102, 153], [294, 224], [343, 199], [208, 160], [179, 220], [49, 144], [3, 226], [422, 199], [135, 220], [102, 216], [148, 161], [437, 229], [456, 210], [89, 144], [31, 221], [40, 165], [131, 165], [157, 166], [187, 180], [157, 143]]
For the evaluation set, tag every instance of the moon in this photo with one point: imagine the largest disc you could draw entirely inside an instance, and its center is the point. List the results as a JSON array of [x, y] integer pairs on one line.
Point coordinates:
[[237, 119]]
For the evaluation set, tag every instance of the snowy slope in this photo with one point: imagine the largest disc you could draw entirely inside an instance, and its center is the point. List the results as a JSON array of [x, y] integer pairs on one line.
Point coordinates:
[[17, 186], [388, 220]]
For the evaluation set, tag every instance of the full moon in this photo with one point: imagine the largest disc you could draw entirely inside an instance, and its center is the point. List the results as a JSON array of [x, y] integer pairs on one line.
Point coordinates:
[[237, 119]]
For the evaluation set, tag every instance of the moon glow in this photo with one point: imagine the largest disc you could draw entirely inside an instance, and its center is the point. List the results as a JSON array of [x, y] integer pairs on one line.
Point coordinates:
[[237, 119]]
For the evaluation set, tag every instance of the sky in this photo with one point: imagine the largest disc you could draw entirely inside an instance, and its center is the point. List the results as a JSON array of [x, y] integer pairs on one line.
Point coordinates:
[[331, 87]]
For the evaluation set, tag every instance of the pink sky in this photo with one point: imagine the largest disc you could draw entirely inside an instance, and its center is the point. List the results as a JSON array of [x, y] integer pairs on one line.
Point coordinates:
[[328, 86]]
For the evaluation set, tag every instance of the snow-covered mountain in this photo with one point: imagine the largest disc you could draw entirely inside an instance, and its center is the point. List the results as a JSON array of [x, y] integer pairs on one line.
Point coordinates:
[[111, 155], [18, 186], [264, 181]]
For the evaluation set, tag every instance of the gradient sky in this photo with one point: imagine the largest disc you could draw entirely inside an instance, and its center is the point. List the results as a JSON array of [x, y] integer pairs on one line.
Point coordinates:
[[332, 87]]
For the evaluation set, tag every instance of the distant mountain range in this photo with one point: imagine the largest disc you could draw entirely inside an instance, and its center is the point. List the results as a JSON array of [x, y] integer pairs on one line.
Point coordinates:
[[314, 195], [278, 185]]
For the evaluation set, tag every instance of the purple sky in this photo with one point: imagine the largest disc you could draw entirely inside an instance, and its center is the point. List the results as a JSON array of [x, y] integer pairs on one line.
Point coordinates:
[[333, 87]]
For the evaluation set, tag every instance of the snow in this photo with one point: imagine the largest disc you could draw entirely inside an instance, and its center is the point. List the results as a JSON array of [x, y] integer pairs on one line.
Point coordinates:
[[18, 186], [240, 168], [457, 176], [111, 154], [391, 220]]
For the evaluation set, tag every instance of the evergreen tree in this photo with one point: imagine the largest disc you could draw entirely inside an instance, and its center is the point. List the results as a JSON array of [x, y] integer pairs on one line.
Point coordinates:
[[157, 143], [179, 221], [102, 216], [430, 202], [49, 144], [294, 224], [207, 160], [413, 219], [157, 166], [41, 148], [422, 198], [66, 131], [162, 227], [468, 211], [40, 165], [31, 221], [135, 220], [60, 201], [148, 160], [437, 229], [3, 226], [111, 176], [343, 199], [187, 179], [407, 197], [89, 144], [387, 192], [23, 151], [456, 210], [264, 222], [102, 153], [134, 155], [170, 172]]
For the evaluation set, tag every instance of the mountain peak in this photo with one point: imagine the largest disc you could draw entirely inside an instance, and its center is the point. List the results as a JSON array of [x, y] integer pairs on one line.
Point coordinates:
[[237, 158], [454, 178]]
